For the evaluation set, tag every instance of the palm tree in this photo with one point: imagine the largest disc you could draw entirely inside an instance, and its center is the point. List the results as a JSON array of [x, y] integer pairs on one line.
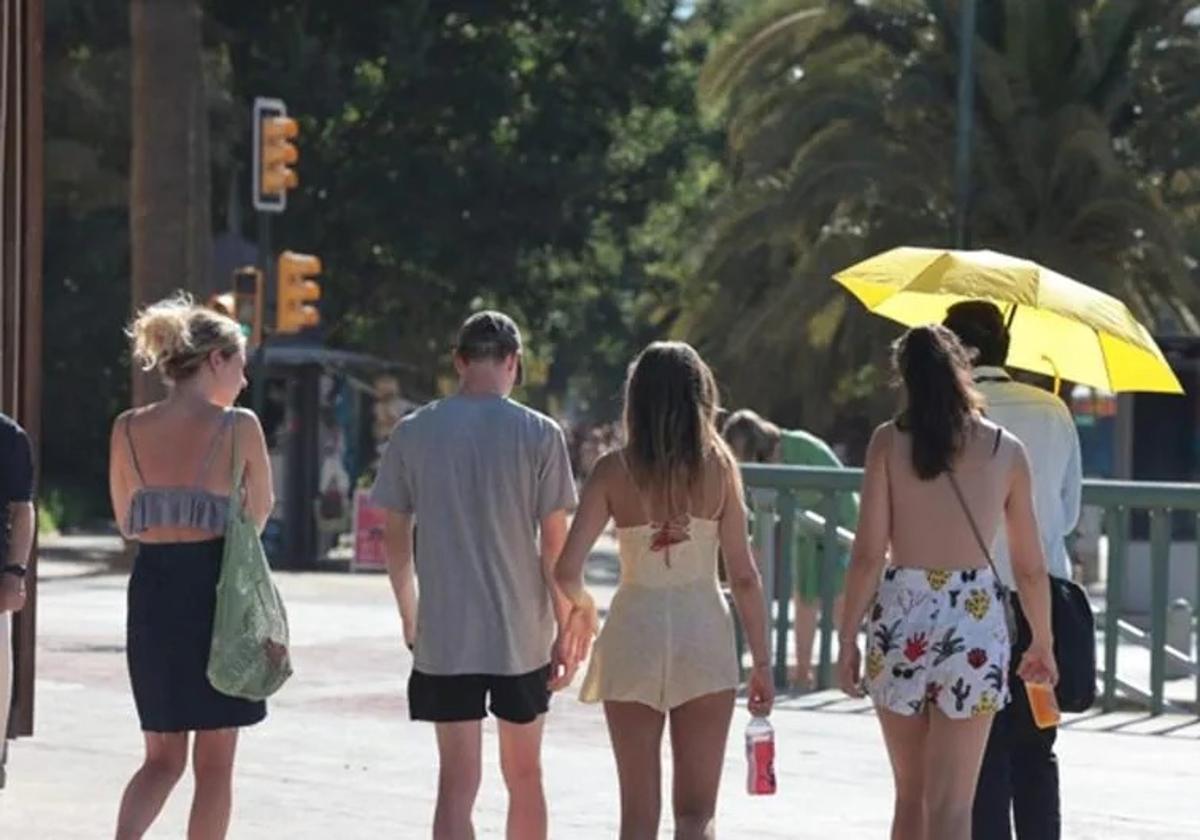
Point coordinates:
[[840, 123], [169, 200]]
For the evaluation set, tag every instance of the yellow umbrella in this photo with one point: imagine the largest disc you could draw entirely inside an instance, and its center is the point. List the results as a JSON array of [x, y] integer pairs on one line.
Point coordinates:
[[1059, 326]]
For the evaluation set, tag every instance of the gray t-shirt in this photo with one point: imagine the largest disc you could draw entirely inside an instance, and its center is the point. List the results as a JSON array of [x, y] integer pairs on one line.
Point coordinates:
[[479, 473]]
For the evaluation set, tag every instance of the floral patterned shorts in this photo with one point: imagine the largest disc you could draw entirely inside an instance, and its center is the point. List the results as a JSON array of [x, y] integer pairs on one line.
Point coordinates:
[[938, 637]]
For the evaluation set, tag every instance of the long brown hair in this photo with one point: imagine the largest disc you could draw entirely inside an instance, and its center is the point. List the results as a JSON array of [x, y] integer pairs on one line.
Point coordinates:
[[940, 399], [671, 407]]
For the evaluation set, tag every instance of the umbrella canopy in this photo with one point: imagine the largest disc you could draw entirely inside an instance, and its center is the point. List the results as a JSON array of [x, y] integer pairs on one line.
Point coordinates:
[[1059, 326]]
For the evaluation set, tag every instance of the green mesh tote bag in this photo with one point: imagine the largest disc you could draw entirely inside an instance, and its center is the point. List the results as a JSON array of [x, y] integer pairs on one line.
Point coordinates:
[[249, 654]]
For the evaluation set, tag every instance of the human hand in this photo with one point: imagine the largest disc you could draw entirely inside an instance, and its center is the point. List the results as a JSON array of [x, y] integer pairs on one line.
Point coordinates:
[[760, 692], [575, 637], [849, 669], [562, 672], [1038, 665]]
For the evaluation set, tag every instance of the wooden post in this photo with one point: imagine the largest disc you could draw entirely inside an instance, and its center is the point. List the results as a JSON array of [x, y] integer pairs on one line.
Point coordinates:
[[21, 25]]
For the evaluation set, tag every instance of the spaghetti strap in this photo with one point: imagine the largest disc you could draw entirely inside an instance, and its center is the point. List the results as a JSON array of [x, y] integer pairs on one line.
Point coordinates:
[[212, 447], [137, 467], [724, 496]]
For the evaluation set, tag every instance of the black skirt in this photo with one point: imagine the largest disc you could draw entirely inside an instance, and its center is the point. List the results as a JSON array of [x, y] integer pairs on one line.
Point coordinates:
[[172, 599]]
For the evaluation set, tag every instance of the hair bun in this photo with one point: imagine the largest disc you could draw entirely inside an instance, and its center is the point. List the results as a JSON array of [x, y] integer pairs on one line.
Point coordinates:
[[162, 330]]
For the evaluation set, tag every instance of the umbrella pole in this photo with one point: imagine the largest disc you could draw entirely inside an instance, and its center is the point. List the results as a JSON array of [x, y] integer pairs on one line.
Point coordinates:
[[1057, 376]]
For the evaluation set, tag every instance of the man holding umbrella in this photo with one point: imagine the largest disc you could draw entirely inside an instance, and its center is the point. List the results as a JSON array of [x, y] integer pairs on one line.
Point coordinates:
[[1020, 771]]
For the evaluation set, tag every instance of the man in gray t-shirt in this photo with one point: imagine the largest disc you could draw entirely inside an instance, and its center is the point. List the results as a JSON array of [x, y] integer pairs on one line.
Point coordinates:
[[489, 483]]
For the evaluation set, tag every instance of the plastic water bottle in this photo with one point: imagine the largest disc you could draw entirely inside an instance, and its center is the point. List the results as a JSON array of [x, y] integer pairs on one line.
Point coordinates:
[[760, 757]]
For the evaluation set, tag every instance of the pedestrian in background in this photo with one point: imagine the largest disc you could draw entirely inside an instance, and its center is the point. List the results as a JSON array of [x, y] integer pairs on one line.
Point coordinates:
[[755, 440], [1019, 781], [17, 523]]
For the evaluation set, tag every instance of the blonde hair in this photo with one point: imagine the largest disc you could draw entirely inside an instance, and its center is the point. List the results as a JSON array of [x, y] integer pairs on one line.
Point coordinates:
[[176, 336]]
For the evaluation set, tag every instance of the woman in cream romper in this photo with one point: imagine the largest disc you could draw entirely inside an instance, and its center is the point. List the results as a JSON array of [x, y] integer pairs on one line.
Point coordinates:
[[667, 649]]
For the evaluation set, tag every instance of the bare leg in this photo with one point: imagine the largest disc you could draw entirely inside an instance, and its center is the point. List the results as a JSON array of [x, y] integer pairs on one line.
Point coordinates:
[[906, 739], [636, 732], [954, 754], [806, 632], [521, 763], [460, 758], [147, 791], [212, 765], [699, 732]]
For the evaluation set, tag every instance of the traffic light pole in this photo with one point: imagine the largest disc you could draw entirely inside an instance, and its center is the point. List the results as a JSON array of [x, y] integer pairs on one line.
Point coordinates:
[[259, 385], [965, 120]]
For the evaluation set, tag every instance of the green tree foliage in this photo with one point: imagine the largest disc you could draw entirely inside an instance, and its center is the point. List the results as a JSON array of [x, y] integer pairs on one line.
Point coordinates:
[[466, 153], [840, 121], [86, 253], [539, 155]]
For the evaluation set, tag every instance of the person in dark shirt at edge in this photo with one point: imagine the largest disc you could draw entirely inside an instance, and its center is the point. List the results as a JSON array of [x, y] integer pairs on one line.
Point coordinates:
[[16, 543]]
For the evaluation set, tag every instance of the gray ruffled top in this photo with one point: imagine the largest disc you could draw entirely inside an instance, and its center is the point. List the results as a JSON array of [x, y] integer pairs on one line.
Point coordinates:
[[178, 507]]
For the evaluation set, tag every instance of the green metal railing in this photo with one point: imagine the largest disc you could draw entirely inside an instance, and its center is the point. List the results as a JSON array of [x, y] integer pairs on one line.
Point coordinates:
[[806, 498]]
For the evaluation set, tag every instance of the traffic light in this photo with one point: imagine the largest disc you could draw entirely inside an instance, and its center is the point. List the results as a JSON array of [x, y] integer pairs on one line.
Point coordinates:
[[244, 304], [274, 155], [248, 298], [297, 291]]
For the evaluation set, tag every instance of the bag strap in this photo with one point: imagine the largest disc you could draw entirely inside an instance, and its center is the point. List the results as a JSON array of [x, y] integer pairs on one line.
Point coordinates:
[[962, 502], [237, 468]]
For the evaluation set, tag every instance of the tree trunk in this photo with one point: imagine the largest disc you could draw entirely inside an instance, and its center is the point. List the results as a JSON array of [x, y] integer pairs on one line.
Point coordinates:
[[169, 202]]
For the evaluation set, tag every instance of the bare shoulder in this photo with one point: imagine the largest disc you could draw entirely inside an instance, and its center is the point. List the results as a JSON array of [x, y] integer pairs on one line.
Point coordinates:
[[121, 424], [123, 419], [245, 417], [246, 424], [134, 413], [609, 467], [1001, 440], [881, 440]]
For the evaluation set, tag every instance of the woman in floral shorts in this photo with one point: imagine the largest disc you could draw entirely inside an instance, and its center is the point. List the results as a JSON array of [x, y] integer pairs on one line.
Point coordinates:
[[940, 482]]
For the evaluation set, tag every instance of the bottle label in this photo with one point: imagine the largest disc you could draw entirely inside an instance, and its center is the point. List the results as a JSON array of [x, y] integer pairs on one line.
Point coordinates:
[[761, 755]]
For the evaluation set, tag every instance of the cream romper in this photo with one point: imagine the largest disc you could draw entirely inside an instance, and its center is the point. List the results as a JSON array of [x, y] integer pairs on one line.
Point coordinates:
[[668, 637]]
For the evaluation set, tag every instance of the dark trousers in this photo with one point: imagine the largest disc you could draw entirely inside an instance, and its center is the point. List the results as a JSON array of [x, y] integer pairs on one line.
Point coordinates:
[[1019, 780]]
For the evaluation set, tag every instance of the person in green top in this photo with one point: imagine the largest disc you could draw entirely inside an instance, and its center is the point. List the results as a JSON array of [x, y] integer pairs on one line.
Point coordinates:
[[755, 440]]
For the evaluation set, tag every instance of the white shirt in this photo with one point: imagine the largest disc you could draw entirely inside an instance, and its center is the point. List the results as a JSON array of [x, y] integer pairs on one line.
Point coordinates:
[[1043, 423]]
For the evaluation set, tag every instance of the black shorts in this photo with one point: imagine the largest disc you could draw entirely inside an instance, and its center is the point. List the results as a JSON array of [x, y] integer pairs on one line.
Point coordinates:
[[452, 699]]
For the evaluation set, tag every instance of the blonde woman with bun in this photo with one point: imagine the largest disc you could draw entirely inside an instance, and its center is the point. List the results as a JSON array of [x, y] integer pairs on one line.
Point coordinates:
[[170, 474]]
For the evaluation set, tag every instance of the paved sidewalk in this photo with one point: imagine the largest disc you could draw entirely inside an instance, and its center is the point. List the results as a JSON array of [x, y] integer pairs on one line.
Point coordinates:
[[337, 758]]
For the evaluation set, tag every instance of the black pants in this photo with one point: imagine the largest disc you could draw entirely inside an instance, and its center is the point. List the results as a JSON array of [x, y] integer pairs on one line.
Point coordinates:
[[1019, 780]]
